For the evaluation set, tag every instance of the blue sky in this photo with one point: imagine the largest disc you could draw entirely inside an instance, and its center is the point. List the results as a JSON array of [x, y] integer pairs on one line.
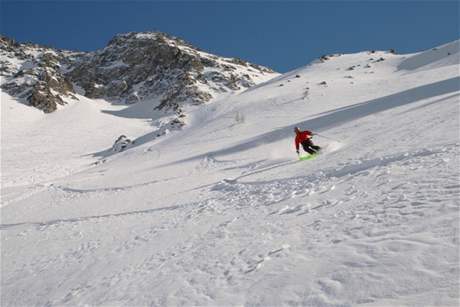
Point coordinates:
[[280, 34]]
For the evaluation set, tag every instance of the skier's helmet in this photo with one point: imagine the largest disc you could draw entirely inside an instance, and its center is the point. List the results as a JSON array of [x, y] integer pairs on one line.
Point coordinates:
[[296, 129]]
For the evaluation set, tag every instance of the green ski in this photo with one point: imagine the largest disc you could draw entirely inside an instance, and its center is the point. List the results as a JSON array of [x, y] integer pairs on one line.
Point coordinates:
[[307, 157]]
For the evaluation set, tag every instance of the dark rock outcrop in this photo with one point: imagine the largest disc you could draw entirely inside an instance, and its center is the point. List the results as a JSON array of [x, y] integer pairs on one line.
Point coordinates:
[[121, 143], [35, 74], [133, 67], [153, 65]]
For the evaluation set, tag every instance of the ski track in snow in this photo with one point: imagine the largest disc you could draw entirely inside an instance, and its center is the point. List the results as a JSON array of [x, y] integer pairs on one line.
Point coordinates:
[[325, 222]]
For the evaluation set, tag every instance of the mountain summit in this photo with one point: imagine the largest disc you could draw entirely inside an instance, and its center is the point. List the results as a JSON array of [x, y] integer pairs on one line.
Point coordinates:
[[133, 67]]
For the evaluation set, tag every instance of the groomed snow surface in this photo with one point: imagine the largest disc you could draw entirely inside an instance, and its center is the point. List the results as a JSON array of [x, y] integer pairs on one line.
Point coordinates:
[[223, 214]]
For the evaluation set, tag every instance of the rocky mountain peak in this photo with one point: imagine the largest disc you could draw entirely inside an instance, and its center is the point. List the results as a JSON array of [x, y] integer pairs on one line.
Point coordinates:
[[35, 74], [133, 67]]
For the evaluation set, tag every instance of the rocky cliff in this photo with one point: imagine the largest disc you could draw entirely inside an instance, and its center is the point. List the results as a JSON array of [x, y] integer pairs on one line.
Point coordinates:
[[133, 67], [35, 73]]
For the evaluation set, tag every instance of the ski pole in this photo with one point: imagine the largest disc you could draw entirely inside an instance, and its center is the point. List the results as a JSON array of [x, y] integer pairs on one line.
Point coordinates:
[[326, 137]]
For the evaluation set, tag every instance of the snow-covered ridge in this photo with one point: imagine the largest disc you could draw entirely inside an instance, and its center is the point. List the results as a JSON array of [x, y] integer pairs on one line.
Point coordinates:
[[448, 54]]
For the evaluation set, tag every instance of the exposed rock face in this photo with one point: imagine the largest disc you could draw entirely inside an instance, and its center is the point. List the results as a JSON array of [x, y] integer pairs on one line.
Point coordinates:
[[42, 98], [133, 67], [35, 74], [138, 66]]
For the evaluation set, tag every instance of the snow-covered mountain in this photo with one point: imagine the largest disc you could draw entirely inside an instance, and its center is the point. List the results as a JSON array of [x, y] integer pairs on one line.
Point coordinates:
[[223, 213], [134, 67]]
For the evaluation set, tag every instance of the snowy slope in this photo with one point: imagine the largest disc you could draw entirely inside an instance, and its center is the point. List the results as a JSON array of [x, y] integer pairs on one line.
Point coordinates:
[[223, 213], [38, 147]]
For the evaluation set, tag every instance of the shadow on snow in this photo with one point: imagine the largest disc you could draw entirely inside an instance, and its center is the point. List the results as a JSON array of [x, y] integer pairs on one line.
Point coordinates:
[[341, 116]]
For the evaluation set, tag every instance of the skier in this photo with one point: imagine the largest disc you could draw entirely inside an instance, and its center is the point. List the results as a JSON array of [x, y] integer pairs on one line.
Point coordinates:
[[304, 138]]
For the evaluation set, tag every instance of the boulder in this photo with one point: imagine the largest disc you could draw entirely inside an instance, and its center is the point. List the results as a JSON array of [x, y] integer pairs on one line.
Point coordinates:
[[121, 143]]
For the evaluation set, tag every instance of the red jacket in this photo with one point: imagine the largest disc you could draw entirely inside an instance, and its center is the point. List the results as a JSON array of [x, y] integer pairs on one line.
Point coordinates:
[[302, 136]]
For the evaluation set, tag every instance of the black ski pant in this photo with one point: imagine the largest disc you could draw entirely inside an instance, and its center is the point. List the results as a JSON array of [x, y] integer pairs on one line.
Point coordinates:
[[309, 147]]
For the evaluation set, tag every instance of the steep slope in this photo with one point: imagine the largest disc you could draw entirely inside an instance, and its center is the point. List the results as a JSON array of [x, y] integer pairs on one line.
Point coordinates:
[[141, 84], [223, 213]]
